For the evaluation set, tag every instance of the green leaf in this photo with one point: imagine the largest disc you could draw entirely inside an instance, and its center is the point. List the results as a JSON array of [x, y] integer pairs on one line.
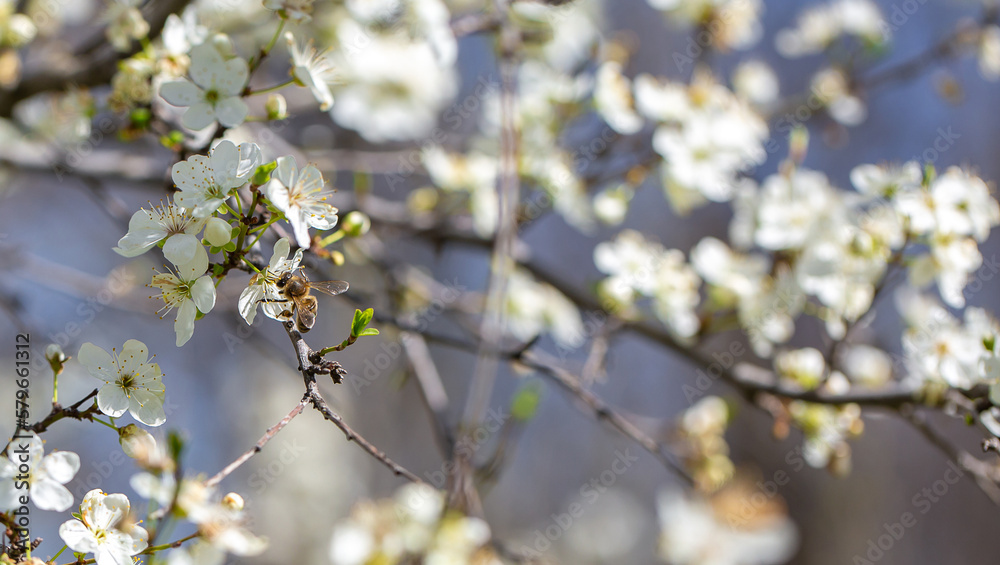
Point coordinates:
[[360, 321], [368, 331], [231, 246], [263, 173], [525, 402], [356, 324]]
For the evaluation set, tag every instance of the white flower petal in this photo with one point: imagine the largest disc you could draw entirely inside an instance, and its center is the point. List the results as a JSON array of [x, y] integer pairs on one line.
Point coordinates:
[[180, 248], [48, 494], [203, 294], [249, 298], [147, 408], [77, 537], [231, 111], [194, 268], [61, 466], [181, 93], [112, 400], [98, 362], [199, 116], [184, 322]]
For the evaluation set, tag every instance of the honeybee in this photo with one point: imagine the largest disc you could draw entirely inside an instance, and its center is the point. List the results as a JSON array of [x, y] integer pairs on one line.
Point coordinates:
[[297, 289]]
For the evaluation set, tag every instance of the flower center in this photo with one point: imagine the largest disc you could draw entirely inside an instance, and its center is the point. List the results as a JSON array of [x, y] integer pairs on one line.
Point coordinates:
[[212, 96], [126, 381]]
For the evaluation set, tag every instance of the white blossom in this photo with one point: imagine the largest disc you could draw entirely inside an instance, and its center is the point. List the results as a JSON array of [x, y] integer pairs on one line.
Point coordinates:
[[214, 91], [131, 383], [640, 267], [534, 307], [263, 288], [613, 99], [190, 296], [175, 226], [391, 89], [206, 183], [699, 531], [989, 52], [299, 194], [707, 137], [819, 26], [25, 468], [313, 69], [755, 81], [413, 525], [735, 24], [105, 529]]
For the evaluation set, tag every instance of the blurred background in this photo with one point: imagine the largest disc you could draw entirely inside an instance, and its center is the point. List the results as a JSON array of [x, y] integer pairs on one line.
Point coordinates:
[[61, 279]]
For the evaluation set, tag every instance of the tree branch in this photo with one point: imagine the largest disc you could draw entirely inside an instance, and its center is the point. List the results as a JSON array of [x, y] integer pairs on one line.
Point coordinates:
[[310, 365], [268, 435]]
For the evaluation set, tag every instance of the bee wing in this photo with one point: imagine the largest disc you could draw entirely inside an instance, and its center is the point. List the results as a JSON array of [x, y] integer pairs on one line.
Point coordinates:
[[333, 288], [305, 312]]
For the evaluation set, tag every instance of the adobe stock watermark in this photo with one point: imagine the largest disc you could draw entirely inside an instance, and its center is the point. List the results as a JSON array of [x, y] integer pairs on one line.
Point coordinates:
[[898, 15], [454, 116], [922, 502], [469, 444], [118, 282], [243, 332], [390, 351], [590, 492], [291, 450], [721, 362]]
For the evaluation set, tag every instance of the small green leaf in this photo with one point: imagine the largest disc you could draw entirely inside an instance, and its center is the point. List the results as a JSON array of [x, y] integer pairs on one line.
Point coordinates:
[[525, 402], [217, 270], [175, 445], [357, 325], [263, 173], [231, 246], [368, 331]]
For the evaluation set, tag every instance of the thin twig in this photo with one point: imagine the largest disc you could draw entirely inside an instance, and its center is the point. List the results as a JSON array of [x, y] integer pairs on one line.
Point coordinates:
[[601, 409], [429, 384], [268, 435], [310, 365], [463, 495], [985, 475]]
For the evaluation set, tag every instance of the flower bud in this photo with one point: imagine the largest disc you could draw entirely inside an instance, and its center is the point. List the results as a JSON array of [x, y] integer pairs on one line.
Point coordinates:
[[356, 224], [233, 501], [136, 442], [218, 232], [276, 107], [56, 357], [223, 45], [54, 353]]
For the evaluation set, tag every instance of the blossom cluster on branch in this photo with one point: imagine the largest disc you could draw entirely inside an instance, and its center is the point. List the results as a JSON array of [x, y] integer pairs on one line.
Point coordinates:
[[205, 92]]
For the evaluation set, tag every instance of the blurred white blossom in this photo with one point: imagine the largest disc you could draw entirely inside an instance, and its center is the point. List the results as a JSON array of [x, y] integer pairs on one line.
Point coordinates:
[[818, 27], [718, 531], [43, 482], [214, 91]]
